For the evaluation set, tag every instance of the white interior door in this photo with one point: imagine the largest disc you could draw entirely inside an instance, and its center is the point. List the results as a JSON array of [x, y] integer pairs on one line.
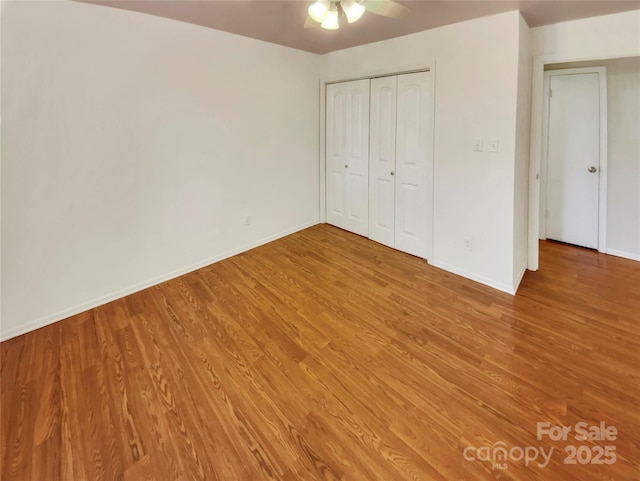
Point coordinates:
[[347, 152], [336, 153], [573, 159], [414, 164], [357, 165], [382, 154]]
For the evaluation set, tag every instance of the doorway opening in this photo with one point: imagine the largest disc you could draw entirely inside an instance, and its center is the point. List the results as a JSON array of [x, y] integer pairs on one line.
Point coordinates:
[[574, 193]]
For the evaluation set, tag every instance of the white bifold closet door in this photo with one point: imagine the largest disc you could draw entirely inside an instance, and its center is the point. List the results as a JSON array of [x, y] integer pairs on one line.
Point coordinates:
[[382, 164], [347, 154], [401, 162]]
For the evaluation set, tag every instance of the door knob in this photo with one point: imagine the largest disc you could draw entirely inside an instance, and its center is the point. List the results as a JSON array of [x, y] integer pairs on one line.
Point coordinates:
[[592, 169], [393, 173]]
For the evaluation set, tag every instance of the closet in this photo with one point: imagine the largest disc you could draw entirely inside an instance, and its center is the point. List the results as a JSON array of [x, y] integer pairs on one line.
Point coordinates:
[[382, 129]]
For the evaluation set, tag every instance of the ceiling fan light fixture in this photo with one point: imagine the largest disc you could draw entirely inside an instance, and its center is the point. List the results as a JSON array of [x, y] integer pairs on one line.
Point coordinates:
[[353, 10], [331, 19], [318, 10]]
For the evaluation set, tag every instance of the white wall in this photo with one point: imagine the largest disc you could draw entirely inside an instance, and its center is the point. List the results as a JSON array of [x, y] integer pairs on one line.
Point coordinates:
[[605, 37], [623, 207], [521, 176], [616, 35], [476, 68], [2, 4], [623, 155], [133, 147]]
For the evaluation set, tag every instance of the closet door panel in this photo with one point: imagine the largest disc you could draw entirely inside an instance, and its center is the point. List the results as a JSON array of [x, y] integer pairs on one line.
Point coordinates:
[[336, 154], [357, 165], [382, 160], [414, 164]]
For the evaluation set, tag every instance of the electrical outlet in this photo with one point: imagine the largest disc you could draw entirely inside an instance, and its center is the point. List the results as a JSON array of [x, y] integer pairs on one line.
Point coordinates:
[[468, 245], [247, 220], [477, 145]]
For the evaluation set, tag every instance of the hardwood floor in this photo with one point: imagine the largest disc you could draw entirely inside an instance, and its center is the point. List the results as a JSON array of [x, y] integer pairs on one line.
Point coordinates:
[[325, 356]]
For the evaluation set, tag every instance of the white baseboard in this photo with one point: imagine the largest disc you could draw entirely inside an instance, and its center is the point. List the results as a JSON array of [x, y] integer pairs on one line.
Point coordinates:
[[85, 306], [481, 279], [626, 255], [519, 279]]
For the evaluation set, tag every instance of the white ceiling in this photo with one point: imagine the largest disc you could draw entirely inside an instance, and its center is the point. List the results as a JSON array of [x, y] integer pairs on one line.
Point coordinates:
[[281, 21]]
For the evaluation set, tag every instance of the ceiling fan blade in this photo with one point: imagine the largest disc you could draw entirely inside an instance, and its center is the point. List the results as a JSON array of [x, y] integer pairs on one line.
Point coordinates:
[[386, 8], [311, 23]]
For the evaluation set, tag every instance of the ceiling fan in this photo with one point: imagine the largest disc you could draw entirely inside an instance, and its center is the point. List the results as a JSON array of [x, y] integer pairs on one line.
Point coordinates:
[[326, 13]]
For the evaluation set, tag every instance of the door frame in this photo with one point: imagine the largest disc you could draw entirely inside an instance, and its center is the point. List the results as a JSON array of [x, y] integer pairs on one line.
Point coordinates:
[[535, 145], [544, 159], [322, 125]]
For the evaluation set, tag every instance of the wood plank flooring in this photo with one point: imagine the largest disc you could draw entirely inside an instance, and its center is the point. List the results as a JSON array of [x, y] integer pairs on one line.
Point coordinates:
[[325, 356]]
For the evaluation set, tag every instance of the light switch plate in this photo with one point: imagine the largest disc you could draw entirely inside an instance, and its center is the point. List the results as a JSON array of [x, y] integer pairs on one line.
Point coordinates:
[[493, 145], [477, 145]]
